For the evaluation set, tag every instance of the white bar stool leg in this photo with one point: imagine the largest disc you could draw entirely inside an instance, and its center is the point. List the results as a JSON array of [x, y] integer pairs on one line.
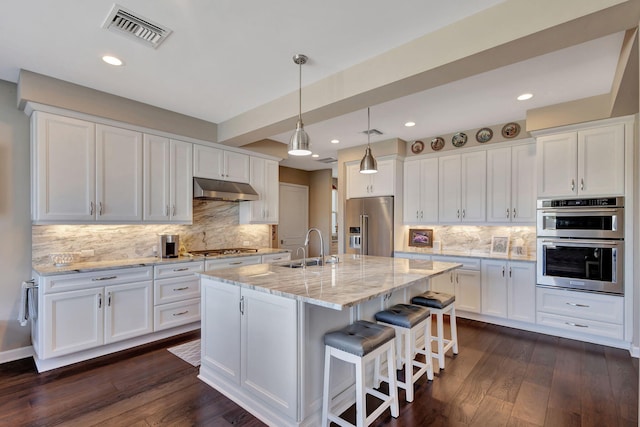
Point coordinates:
[[454, 329], [440, 338]]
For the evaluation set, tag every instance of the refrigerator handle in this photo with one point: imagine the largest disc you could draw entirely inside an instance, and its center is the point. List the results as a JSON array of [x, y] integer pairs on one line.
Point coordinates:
[[364, 233]]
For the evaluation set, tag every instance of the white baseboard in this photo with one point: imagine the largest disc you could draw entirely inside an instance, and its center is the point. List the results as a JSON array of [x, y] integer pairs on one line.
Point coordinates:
[[16, 354], [635, 351]]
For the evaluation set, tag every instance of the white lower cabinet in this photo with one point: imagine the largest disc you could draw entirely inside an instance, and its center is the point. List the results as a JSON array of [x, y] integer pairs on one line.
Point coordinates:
[[508, 289], [463, 282], [216, 264], [101, 309], [581, 312], [249, 339], [176, 294], [269, 258]]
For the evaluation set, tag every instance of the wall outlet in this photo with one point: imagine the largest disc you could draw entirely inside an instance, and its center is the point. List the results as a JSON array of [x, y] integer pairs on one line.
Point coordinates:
[[155, 249], [87, 253], [245, 243]]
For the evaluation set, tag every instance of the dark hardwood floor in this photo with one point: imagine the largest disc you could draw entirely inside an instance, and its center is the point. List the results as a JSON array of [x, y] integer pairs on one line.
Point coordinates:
[[502, 377]]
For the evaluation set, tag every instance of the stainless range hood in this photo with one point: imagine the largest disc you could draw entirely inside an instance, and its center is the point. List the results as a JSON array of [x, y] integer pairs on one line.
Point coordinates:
[[215, 189]]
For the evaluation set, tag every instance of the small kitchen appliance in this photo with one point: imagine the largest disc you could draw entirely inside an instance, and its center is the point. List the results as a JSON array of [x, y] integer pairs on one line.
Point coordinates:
[[169, 245]]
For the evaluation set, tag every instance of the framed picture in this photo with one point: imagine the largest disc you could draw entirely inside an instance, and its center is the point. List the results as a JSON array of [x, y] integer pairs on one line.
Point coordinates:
[[421, 237], [499, 245]]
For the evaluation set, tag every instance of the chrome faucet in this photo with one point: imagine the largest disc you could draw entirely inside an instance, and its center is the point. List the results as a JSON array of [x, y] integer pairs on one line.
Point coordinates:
[[304, 256], [306, 243]]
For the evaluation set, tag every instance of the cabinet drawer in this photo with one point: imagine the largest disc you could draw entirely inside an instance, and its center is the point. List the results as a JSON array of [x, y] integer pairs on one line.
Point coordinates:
[[276, 257], [581, 305], [175, 314], [67, 282], [176, 289], [216, 264], [583, 326], [467, 263], [177, 269]]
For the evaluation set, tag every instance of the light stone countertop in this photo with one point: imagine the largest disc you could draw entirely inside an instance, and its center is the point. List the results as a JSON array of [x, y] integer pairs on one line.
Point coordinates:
[[470, 254], [355, 279], [89, 266]]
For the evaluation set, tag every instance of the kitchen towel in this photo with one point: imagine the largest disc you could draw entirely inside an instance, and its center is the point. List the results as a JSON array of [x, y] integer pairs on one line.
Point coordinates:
[[28, 302]]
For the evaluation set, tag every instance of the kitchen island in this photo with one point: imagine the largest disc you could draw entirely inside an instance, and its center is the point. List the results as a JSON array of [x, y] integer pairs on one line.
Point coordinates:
[[263, 327]]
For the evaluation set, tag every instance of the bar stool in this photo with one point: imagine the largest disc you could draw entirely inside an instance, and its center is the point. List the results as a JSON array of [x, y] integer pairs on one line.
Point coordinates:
[[407, 320], [440, 303], [360, 343]]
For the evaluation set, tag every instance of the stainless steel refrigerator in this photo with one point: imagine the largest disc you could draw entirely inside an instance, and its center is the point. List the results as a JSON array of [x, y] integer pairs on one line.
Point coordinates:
[[369, 226]]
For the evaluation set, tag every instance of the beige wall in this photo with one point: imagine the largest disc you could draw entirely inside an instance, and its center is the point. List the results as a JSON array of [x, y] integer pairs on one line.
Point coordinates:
[[15, 218], [294, 176]]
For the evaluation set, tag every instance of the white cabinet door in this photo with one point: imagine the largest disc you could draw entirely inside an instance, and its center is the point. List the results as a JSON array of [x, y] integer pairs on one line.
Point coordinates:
[[221, 328], [118, 174], [601, 161], [268, 259], [236, 167], [383, 183], [181, 182], [521, 290], [499, 185], [449, 188], [73, 321], [557, 165], [265, 180], [208, 162], [269, 350], [523, 184], [128, 311], [358, 184], [421, 191], [467, 290], [157, 177], [63, 168], [474, 186], [443, 283], [494, 288]]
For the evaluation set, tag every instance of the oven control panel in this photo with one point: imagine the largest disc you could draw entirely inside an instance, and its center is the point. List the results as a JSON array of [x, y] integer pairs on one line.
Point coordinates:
[[571, 203]]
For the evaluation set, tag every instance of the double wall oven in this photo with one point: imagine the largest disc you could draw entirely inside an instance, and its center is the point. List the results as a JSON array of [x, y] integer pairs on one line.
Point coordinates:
[[581, 243]]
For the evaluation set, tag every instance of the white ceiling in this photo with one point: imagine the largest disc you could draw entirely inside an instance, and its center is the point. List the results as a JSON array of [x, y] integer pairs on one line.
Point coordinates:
[[226, 57]]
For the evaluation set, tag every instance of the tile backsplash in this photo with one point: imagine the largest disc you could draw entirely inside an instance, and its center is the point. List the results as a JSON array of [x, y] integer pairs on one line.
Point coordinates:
[[215, 225]]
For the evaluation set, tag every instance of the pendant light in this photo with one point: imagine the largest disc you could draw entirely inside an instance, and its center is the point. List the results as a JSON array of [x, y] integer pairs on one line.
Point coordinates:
[[299, 143], [368, 163]]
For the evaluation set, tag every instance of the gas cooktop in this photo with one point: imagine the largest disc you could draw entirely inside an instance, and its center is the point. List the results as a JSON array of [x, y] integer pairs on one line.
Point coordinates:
[[224, 251]]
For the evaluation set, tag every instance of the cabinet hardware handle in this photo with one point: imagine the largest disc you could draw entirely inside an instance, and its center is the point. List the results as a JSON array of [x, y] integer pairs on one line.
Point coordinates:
[[90, 208], [109, 299], [457, 278], [166, 210], [514, 212], [509, 271], [100, 209], [99, 300], [463, 213], [97, 279], [417, 214], [181, 269], [184, 288], [277, 259], [242, 305], [503, 271], [573, 304], [458, 213], [507, 212], [581, 183], [450, 277], [577, 325], [235, 263], [181, 313], [573, 184], [421, 214]]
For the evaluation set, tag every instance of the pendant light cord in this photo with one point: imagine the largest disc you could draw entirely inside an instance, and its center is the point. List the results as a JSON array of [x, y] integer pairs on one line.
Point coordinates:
[[368, 127], [300, 92]]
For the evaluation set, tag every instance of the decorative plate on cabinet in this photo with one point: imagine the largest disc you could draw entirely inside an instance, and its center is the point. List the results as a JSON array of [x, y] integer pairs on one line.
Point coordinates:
[[459, 139], [484, 135], [437, 143], [417, 147], [510, 130]]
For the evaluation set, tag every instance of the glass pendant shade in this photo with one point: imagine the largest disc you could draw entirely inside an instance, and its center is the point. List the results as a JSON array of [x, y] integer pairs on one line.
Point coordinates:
[[368, 163], [299, 143]]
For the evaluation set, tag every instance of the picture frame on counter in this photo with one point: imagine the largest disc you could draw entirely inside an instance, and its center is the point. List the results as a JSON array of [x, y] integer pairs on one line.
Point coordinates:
[[422, 238], [499, 245]]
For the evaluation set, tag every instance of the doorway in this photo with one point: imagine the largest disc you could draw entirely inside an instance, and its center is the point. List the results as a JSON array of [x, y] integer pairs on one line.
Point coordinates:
[[294, 217]]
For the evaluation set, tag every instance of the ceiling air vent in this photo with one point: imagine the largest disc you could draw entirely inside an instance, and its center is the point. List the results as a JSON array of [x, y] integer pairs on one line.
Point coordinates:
[[328, 160], [126, 22], [372, 132]]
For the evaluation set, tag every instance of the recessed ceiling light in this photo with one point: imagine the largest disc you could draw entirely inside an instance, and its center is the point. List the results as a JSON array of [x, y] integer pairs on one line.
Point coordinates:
[[410, 124], [315, 155], [335, 141], [525, 96], [112, 60]]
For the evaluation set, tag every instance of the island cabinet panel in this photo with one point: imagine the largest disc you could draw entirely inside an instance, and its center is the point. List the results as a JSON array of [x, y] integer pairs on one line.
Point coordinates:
[[250, 339]]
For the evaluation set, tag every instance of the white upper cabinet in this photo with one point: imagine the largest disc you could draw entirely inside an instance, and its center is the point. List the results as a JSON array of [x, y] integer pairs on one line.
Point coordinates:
[[587, 162], [265, 179], [421, 191], [381, 183], [462, 187], [214, 163], [168, 178], [511, 184], [83, 172]]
